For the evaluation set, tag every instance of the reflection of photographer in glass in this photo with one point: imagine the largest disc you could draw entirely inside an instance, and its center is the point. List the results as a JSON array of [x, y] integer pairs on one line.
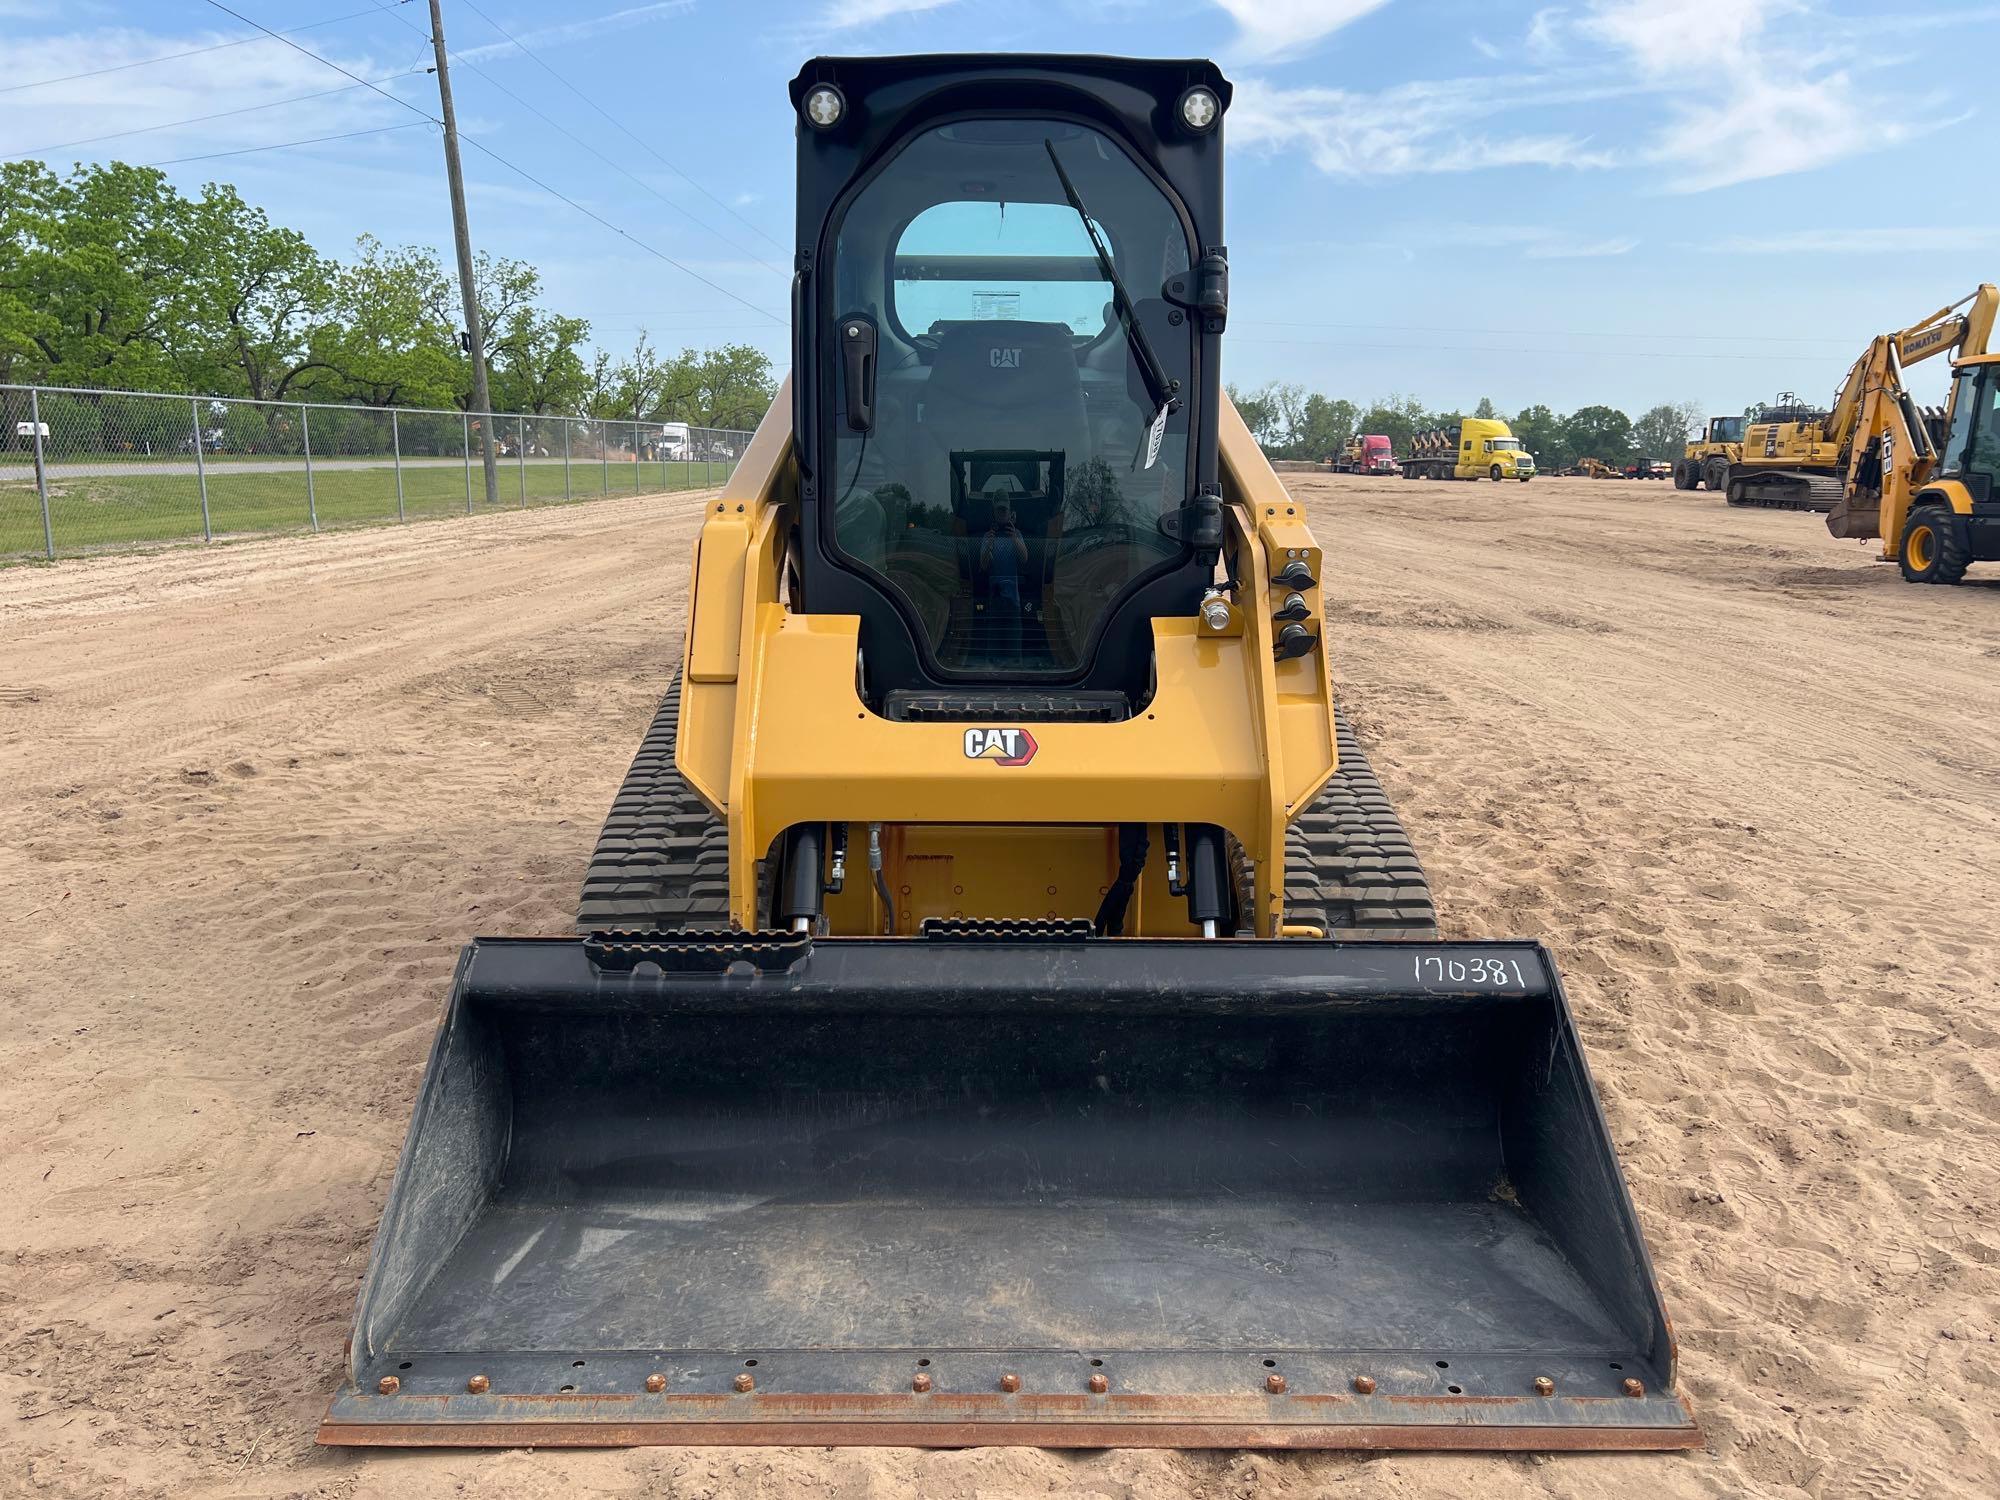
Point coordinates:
[[1003, 557]]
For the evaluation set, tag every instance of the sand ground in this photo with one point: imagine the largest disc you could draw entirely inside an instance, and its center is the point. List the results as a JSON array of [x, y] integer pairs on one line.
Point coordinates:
[[252, 799]]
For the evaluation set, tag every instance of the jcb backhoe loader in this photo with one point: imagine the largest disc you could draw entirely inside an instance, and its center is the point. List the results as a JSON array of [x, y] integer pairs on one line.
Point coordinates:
[[1927, 483], [1008, 1009], [1832, 461]]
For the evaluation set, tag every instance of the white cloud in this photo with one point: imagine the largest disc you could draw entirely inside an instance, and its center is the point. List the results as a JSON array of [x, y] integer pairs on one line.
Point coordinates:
[[1535, 241], [1267, 30], [1559, 248], [1778, 87], [574, 31], [1543, 40], [1663, 36], [845, 15], [1883, 240], [262, 72], [1414, 127]]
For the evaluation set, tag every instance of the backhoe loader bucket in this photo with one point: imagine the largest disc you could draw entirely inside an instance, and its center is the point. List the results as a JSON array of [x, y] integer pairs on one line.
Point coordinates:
[[1008, 1184]]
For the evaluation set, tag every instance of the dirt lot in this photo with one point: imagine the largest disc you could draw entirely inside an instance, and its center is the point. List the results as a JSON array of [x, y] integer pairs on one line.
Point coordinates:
[[1747, 783]]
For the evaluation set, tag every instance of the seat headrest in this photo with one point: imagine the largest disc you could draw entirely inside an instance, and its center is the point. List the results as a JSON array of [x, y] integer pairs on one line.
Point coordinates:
[[1002, 363]]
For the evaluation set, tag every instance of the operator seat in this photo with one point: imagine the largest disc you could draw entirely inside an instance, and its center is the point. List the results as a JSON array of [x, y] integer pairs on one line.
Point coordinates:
[[996, 386]]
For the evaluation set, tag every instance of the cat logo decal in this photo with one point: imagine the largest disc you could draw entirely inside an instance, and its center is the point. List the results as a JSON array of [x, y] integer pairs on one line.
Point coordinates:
[[1004, 747]]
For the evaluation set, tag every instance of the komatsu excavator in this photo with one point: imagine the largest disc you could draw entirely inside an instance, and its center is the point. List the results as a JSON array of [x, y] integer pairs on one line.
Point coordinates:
[[1007, 1008], [1927, 484]]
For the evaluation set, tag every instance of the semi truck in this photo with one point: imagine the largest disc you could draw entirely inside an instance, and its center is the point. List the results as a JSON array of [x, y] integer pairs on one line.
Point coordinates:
[[1366, 453], [1477, 448]]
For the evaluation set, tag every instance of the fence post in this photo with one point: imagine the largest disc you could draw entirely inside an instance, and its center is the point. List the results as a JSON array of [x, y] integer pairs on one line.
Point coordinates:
[[521, 457], [604, 457], [305, 433], [396, 437], [201, 468], [566, 494], [41, 473], [635, 458], [465, 422]]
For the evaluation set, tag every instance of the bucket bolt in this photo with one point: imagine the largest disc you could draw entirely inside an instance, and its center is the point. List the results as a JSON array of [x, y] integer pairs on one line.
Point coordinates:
[[1364, 1385], [388, 1385], [1544, 1386], [920, 1382], [1634, 1387], [478, 1385], [655, 1384], [746, 1382], [1275, 1384], [1010, 1383], [1099, 1385]]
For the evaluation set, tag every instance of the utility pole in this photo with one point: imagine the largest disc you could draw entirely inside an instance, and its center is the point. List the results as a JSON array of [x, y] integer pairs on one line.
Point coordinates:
[[475, 336]]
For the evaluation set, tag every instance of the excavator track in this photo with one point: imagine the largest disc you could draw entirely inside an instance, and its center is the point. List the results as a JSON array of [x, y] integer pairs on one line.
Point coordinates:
[[1784, 489], [662, 859]]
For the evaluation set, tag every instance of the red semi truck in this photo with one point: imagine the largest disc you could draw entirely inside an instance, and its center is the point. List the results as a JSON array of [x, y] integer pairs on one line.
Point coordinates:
[[1369, 453]]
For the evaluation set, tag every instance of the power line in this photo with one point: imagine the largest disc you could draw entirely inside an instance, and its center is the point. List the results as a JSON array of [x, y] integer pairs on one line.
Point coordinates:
[[615, 165], [623, 233], [308, 52], [1501, 333], [489, 151], [642, 143], [223, 114], [147, 62], [311, 140], [1512, 349]]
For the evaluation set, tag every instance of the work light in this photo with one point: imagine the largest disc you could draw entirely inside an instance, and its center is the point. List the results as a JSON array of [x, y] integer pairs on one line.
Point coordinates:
[[1200, 109], [824, 106]]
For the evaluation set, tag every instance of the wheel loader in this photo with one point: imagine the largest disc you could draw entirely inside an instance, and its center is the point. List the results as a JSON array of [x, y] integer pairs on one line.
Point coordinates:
[[1006, 1007]]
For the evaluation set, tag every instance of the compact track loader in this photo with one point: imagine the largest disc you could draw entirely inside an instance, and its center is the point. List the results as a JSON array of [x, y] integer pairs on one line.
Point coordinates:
[[1007, 1008]]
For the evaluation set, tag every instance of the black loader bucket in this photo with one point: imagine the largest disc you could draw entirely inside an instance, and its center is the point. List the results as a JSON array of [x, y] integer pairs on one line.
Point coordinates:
[[1009, 1185]]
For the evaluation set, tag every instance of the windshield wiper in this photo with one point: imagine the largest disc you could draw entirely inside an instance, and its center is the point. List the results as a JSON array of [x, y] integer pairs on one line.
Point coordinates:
[[1151, 370]]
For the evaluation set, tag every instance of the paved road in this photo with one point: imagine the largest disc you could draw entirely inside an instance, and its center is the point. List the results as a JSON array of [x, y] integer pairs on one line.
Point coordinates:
[[19, 466]]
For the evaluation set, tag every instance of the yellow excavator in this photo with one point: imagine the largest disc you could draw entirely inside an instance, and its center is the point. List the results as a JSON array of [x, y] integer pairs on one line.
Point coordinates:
[[1924, 482], [1007, 1008]]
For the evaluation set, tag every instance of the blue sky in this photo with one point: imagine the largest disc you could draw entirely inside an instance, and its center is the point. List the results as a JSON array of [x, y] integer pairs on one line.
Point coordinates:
[[1619, 200]]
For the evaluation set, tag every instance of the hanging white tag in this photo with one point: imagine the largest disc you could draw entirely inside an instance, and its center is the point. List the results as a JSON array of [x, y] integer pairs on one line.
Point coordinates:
[[1153, 436]]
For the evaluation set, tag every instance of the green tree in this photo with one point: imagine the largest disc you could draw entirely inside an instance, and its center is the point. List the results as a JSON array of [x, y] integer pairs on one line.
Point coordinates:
[[1325, 425], [1663, 431], [1542, 433], [1486, 411], [258, 293], [387, 340], [93, 275], [1599, 432], [537, 362], [1259, 412], [1398, 418]]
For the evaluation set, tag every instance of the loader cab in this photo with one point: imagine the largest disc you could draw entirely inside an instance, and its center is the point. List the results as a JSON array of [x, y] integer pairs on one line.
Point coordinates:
[[1008, 305], [1970, 452]]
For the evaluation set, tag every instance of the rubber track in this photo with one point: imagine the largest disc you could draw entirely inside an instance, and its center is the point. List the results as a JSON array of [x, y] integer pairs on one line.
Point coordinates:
[[662, 859], [1350, 867]]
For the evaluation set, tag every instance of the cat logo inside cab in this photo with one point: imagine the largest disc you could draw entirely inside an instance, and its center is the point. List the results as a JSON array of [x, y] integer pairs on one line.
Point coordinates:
[[1004, 359], [1004, 747]]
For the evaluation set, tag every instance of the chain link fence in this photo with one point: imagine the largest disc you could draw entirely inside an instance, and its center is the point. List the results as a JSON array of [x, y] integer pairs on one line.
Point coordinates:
[[86, 470]]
